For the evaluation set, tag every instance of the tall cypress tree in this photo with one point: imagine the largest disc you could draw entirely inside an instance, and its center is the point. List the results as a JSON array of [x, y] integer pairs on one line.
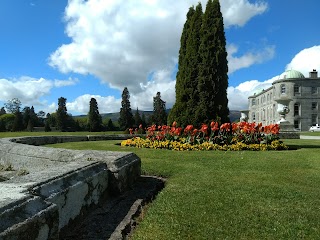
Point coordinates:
[[192, 68], [213, 71], [94, 117], [181, 80], [126, 118]]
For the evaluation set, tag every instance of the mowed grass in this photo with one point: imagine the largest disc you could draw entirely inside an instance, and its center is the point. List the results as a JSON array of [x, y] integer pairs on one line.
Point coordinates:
[[230, 195], [227, 195]]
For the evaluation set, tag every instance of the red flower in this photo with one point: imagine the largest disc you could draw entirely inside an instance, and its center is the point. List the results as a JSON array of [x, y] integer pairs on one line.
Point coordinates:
[[174, 124], [140, 126]]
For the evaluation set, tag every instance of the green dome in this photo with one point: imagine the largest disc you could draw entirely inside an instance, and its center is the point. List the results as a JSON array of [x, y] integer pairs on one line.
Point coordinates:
[[291, 74]]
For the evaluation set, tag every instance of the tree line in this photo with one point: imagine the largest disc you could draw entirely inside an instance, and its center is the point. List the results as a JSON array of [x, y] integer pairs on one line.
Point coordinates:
[[12, 118]]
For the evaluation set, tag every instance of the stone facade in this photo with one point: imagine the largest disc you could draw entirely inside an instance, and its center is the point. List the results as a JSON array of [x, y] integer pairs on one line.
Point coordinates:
[[304, 96]]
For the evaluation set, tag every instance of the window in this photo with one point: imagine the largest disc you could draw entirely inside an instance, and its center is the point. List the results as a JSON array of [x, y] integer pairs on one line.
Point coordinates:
[[274, 111], [296, 109], [314, 119], [253, 102], [296, 89], [283, 89], [253, 116], [314, 90], [296, 124], [314, 106]]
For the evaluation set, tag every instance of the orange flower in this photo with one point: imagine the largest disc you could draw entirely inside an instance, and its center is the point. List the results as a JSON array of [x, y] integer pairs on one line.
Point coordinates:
[[188, 128], [177, 131], [225, 126], [235, 127], [174, 124], [204, 128], [214, 126]]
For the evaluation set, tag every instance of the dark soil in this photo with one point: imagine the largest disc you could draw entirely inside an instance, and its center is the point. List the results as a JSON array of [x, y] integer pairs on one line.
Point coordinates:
[[116, 217]]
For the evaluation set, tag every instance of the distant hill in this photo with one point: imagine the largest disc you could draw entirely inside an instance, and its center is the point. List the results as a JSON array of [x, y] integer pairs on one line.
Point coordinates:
[[234, 115]]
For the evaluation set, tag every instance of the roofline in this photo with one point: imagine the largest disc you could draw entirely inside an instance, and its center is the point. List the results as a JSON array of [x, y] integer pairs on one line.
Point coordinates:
[[262, 92]]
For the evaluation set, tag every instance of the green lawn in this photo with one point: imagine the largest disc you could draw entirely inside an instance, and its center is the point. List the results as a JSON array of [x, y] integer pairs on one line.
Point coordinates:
[[21, 134], [230, 195], [310, 133]]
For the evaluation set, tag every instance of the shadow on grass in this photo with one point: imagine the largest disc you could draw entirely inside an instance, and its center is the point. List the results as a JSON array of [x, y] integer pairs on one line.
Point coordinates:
[[116, 216], [296, 147]]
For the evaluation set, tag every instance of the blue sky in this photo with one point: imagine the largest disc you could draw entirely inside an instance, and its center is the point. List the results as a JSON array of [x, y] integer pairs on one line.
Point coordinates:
[[81, 49]]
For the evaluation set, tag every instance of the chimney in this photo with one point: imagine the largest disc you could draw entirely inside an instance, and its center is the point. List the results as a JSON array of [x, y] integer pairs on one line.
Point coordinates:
[[313, 74]]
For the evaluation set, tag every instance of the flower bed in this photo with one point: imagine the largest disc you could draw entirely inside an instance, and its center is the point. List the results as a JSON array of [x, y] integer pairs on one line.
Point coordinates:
[[227, 137]]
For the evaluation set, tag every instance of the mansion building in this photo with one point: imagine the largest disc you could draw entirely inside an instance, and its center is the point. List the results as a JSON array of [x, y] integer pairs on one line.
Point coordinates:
[[303, 94]]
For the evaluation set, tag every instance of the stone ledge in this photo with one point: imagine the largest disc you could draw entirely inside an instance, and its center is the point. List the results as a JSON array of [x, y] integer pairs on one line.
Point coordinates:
[[60, 182]]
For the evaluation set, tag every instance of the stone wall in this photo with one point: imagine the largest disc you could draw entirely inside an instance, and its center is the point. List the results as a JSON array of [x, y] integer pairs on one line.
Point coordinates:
[[58, 185]]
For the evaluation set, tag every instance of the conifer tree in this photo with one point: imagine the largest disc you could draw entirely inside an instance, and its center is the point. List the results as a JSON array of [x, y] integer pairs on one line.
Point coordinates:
[[47, 127], [94, 117], [18, 121], [202, 80], [159, 116], [126, 118], [33, 117], [62, 115], [213, 70], [25, 116], [181, 80], [137, 118], [143, 120], [110, 125], [192, 68]]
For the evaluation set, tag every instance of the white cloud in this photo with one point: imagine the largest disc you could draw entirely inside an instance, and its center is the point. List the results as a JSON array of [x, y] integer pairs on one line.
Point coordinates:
[[105, 104], [248, 59], [238, 96], [122, 42], [306, 60], [30, 90], [241, 11]]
